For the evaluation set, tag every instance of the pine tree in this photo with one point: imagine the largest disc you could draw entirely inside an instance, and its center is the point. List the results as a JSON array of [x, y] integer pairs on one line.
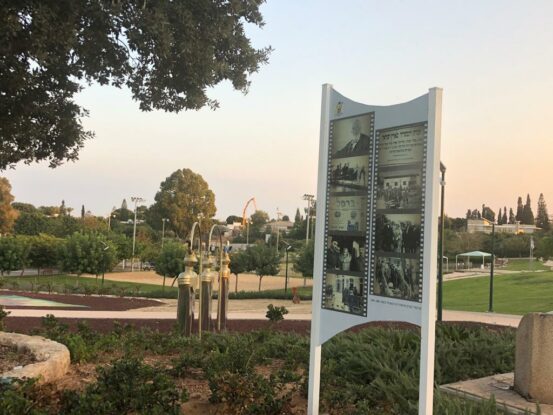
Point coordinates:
[[504, 219], [520, 209], [124, 205], [527, 214], [512, 218], [297, 218], [63, 209], [499, 218], [82, 212], [469, 214], [542, 218]]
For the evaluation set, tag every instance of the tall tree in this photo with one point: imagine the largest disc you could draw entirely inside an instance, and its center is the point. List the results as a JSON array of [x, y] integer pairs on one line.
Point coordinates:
[[124, 205], [305, 260], [239, 262], [183, 198], [14, 253], [170, 261], [542, 217], [504, 218], [63, 209], [264, 261], [512, 217], [167, 53], [82, 212], [527, 214], [520, 209], [499, 218], [8, 214], [488, 214], [297, 217]]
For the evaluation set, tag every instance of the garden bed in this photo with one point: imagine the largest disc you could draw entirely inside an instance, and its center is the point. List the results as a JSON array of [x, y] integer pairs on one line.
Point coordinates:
[[371, 370], [84, 302]]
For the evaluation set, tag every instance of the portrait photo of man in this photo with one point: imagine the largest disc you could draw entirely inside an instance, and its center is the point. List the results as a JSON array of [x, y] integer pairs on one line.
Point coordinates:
[[359, 143]]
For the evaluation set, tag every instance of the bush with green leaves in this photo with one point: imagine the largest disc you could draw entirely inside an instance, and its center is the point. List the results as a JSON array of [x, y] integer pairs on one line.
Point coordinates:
[[128, 386], [3, 315], [276, 314], [89, 253]]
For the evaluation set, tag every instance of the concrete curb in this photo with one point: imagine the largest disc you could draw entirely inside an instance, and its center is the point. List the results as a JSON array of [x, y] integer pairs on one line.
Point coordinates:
[[53, 358]]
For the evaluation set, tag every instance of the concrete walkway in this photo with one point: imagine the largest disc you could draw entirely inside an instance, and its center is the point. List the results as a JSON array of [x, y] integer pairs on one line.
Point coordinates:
[[448, 315]]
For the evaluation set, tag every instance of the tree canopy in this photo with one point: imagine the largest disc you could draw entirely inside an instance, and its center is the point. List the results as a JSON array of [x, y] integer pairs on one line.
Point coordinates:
[[183, 197], [8, 214], [167, 53]]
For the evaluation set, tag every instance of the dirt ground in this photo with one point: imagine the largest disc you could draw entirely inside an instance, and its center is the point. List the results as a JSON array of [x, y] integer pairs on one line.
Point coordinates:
[[246, 282]]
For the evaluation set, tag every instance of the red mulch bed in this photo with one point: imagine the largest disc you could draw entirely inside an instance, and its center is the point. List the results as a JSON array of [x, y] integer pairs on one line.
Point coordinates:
[[93, 302], [27, 324]]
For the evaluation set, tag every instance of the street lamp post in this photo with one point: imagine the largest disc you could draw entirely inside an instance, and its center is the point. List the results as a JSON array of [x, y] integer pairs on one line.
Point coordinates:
[[163, 220], [309, 199], [288, 247], [490, 306], [109, 218], [136, 200]]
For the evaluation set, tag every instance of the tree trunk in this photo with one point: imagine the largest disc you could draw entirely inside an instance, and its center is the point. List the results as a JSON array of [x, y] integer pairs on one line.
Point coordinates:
[[236, 284], [163, 289], [304, 281], [260, 277]]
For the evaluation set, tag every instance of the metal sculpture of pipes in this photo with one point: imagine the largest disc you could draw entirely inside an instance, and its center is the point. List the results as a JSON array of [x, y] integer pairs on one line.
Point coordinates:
[[207, 277], [188, 284], [222, 309], [224, 274]]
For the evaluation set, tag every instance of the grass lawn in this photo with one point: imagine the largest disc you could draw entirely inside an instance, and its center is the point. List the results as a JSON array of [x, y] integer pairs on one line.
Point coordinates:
[[513, 294], [64, 283], [525, 265]]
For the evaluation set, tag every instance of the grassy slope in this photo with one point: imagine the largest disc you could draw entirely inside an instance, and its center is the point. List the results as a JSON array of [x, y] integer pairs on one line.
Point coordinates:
[[525, 265], [513, 294]]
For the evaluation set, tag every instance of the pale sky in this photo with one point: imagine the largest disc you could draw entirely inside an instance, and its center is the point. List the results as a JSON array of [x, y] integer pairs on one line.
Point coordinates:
[[494, 60]]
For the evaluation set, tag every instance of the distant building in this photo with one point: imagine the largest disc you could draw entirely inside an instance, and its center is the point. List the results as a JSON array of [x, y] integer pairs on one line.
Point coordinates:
[[484, 225], [281, 225]]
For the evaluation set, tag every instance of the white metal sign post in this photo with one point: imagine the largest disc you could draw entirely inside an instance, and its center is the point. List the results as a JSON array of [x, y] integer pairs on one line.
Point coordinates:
[[377, 202]]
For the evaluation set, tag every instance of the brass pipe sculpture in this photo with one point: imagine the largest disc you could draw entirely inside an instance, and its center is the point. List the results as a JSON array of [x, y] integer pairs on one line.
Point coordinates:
[[222, 296]]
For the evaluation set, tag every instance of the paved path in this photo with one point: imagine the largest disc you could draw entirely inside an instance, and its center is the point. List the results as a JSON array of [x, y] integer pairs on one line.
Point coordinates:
[[448, 315]]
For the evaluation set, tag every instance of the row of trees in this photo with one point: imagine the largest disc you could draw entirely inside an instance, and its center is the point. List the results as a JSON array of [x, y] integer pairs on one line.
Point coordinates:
[[78, 254], [524, 214]]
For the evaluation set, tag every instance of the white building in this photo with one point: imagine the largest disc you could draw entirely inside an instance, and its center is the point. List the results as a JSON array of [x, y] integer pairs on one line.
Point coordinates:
[[484, 225]]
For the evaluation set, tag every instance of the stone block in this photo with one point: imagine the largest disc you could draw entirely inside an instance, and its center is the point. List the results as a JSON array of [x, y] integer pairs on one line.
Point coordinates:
[[534, 358], [53, 358]]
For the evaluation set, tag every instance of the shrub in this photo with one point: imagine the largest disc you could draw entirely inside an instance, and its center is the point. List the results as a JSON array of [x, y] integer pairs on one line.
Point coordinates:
[[3, 315], [128, 386], [275, 314]]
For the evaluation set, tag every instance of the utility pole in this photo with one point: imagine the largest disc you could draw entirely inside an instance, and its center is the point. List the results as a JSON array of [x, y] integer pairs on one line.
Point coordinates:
[[309, 199], [163, 220], [109, 218], [136, 201], [490, 305]]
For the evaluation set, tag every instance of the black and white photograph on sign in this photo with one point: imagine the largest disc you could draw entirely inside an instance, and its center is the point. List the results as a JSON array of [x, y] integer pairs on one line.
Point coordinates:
[[352, 136], [399, 189], [396, 277], [344, 293], [402, 145], [398, 233], [349, 174], [345, 253], [347, 213]]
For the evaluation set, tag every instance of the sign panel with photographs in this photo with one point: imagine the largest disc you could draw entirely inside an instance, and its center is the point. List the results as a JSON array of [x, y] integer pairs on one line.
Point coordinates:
[[377, 202], [398, 239], [345, 276]]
